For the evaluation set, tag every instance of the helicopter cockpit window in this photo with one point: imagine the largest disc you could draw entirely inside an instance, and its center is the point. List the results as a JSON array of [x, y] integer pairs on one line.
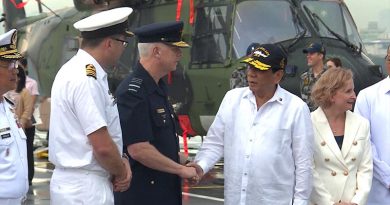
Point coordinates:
[[351, 29], [336, 17], [210, 40], [263, 22]]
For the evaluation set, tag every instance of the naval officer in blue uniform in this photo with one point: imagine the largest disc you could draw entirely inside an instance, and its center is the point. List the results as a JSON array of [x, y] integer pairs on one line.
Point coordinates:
[[148, 121]]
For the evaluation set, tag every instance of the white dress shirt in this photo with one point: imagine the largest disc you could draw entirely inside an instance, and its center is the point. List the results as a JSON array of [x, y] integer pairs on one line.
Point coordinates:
[[80, 105], [267, 152], [373, 103], [13, 152]]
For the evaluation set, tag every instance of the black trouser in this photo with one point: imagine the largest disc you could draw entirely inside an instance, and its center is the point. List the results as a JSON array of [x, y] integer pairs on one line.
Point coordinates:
[[30, 133]]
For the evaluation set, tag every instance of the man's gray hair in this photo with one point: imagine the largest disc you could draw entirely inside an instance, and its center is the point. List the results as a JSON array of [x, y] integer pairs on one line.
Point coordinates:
[[145, 49]]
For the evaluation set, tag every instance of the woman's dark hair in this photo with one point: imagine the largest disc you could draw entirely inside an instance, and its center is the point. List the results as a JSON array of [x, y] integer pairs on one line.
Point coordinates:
[[21, 80], [336, 61]]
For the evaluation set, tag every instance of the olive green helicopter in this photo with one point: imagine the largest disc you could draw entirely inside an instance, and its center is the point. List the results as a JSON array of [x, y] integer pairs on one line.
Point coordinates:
[[219, 32]]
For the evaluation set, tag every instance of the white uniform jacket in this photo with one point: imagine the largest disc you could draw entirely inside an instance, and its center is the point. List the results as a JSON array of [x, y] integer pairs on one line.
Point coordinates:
[[13, 155], [267, 151], [80, 105], [344, 174]]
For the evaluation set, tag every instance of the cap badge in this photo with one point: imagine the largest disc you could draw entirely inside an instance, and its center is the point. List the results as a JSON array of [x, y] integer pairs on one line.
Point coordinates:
[[261, 52], [91, 71]]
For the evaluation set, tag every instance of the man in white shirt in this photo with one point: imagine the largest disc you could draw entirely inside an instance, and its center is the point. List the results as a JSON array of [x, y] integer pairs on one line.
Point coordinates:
[[265, 135], [13, 159], [85, 135], [373, 104]]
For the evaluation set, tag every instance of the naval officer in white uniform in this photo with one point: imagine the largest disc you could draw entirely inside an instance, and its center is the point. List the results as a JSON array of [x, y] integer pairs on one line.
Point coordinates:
[[13, 151], [85, 135]]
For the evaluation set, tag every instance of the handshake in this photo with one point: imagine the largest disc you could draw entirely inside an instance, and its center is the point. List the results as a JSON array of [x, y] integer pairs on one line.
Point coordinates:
[[190, 171]]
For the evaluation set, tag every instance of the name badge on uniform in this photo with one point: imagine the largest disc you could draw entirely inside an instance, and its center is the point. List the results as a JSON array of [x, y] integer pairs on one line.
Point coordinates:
[[160, 110], [5, 129], [5, 136]]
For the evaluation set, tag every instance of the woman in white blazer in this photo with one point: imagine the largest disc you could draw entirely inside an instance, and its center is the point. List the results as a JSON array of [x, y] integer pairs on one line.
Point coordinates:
[[342, 168]]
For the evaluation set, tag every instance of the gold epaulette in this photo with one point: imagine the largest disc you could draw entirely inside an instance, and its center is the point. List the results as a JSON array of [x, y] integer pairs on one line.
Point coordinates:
[[90, 70]]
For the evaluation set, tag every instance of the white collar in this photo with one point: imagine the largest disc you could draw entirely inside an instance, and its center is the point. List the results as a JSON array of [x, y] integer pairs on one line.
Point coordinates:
[[278, 96], [385, 87]]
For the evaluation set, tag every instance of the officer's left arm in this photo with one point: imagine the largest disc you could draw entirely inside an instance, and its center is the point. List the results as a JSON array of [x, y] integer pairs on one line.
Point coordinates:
[[302, 149], [89, 106]]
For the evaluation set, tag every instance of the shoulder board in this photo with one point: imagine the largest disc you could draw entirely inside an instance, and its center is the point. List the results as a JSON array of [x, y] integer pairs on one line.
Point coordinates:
[[135, 85], [90, 70], [9, 101]]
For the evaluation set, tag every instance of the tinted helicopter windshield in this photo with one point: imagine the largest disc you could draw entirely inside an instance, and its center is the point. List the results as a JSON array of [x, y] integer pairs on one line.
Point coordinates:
[[263, 22], [336, 17]]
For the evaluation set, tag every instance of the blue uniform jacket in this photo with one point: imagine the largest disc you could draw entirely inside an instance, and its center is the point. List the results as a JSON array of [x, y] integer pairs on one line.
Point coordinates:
[[146, 115]]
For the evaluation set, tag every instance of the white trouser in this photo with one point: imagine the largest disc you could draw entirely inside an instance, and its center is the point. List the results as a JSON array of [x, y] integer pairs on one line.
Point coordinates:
[[77, 186], [11, 201]]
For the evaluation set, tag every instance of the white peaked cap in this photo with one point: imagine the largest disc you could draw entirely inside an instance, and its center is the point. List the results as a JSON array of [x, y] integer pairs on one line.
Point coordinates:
[[105, 23], [8, 50]]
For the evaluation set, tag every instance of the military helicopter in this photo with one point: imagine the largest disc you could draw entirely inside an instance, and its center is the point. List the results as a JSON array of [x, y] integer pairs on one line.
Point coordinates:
[[219, 32]]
